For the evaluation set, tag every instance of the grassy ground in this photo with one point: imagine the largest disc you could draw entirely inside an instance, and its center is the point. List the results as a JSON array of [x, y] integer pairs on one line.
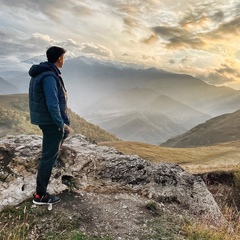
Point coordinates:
[[25, 222], [221, 157]]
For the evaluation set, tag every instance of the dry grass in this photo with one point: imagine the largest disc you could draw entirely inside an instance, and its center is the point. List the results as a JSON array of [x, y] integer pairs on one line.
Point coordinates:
[[24, 222], [221, 157], [205, 230], [8, 101]]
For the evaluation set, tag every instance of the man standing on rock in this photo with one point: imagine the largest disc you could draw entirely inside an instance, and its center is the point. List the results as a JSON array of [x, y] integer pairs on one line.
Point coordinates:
[[48, 110]]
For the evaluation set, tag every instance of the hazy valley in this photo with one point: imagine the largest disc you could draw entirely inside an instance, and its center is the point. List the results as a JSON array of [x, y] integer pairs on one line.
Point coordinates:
[[145, 105]]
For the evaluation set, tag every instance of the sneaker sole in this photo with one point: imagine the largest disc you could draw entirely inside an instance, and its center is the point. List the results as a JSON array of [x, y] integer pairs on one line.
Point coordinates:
[[45, 203]]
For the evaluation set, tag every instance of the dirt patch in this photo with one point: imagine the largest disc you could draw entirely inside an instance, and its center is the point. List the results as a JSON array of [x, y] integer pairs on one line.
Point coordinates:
[[120, 216], [94, 216]]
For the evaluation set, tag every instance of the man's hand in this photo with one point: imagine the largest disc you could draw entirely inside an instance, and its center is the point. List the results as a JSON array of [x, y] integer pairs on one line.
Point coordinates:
[[66, 129]]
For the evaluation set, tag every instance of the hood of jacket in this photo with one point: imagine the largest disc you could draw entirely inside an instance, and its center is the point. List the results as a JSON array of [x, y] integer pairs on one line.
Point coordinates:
[[38, 69]]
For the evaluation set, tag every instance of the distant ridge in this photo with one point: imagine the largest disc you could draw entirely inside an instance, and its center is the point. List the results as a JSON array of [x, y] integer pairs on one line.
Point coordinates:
[[7, 88], [153, 122], [221, 129]]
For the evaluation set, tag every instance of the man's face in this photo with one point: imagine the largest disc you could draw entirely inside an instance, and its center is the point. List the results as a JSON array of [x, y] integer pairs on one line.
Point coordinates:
[[61, 61]]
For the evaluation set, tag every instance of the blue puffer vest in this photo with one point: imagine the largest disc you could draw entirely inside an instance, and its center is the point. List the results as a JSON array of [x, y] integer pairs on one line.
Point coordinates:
[[47, 96]]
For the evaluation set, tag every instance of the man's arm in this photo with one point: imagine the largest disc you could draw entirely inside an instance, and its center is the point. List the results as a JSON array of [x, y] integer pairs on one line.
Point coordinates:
[[51, 93]]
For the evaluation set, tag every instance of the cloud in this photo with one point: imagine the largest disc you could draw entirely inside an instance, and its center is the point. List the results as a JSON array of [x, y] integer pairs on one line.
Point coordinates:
[[19, 3], [38, 43], [175, 37], [129, 8], [75, 49], [131, 22], [97, 50], [11, 46], [200, 26], [145, 57], [171, 61], [52, 9], [227, 73], [141, 8], [150, 40], [81, 10], [185, 60], [227, 29], [39, 40], [202, 17]]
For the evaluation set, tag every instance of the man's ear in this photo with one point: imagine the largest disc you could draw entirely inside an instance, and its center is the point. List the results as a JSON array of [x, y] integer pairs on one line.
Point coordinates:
[[59, 60]]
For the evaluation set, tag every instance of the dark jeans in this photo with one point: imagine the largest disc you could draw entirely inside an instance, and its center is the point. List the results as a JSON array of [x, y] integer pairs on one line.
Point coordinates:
[[51, 143]]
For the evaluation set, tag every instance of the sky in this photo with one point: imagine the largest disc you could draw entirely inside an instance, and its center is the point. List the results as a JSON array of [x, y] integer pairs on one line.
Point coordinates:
[[200, 38]]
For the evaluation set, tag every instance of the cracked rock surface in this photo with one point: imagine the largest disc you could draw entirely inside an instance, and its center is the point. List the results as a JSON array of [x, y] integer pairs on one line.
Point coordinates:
[[113, 187]]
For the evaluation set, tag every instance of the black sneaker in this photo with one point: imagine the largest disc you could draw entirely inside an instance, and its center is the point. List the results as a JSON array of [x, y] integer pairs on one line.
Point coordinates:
[[45, 199]]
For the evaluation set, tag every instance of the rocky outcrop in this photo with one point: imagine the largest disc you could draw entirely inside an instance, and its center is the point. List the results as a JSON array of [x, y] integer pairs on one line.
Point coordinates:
[[84, 166]]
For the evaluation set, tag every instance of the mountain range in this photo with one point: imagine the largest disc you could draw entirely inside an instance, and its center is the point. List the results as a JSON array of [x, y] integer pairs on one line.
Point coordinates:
[[7, 88], [221, 129], [139, 104], [140, 115]]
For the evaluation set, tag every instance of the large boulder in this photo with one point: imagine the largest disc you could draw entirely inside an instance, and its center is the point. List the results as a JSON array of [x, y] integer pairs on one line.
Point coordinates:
[[84, 166]]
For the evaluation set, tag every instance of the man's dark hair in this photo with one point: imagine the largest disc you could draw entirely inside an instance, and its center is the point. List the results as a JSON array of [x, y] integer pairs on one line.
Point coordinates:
[[54, 52]]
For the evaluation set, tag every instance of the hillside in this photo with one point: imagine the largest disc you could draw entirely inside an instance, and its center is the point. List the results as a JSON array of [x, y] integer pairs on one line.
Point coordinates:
[[152, 128], [7, 88], [145, 116], [220, 157], [15, 119], [224, 128]]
